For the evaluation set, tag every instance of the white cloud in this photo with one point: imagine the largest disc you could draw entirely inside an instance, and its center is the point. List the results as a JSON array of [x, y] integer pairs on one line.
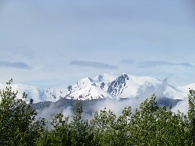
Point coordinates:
[[19, 65], [148, 64]]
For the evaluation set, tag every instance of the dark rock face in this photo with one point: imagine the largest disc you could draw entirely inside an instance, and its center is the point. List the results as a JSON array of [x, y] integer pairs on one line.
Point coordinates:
[[42, 105], [116, 87], [168, 102], [69, 88], [102, 85]]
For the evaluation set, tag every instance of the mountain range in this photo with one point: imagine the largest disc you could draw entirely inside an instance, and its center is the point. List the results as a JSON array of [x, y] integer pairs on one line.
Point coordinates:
[[107, 86]]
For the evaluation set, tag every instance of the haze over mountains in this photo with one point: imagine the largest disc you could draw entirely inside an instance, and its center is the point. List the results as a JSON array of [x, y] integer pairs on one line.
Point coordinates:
[[109, 86]]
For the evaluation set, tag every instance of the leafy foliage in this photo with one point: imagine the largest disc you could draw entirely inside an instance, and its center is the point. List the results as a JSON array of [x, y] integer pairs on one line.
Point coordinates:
[[151, 125], [76, 132], [147, 125], [17, 119], [191, 115]]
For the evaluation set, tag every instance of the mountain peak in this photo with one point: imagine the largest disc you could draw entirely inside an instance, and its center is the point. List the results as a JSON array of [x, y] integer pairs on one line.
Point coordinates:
[[117, 86], [107, 85]]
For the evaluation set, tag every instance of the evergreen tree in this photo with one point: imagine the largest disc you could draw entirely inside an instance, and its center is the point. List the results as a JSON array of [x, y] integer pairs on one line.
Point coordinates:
[[59, 135], [17, 119], [122, 127], [191, 115], [148, 125], [81, 133], [70, 133], [151, 125], [104, 128]]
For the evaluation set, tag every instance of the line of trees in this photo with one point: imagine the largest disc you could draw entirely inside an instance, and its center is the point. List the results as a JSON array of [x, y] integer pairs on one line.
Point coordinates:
[[148, 125]]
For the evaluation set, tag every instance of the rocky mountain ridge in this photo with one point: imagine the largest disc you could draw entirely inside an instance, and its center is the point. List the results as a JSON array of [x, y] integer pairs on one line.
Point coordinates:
[[105, 86]]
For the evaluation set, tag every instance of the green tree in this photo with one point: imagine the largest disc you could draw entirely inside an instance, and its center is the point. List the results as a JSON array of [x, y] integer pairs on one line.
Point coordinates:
[[17, 119], [59, 135], [142, 126], [122, 127], [76, 132], [104, 127], [147, 125], [81, 133], [191, 115], [151, 125]]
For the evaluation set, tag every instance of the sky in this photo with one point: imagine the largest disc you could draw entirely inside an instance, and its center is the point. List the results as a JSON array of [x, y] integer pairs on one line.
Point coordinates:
[[56, 43]]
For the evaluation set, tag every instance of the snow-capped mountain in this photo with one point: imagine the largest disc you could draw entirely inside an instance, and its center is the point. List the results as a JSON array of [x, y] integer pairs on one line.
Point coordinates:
[[88, 88], [37, 94], [123, 86], [106, 86]]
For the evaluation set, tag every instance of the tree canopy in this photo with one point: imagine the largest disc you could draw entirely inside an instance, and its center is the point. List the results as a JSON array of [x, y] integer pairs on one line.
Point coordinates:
[[147, 125]]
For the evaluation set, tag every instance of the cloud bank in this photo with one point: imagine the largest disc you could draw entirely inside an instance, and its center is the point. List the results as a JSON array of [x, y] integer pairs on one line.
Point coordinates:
[[92, 64], [149, 64], [20, 65]]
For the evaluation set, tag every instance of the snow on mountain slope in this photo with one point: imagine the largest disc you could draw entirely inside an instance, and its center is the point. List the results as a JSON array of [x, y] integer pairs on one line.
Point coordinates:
[[103, 81], [106, 86], [127, 86], [86, 89], [107, 77], [123, 86], [187, 87], [35, 93], [181, 106]]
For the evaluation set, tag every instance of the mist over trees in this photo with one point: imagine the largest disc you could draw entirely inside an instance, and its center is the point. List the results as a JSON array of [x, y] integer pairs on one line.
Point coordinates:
[[148, 125]]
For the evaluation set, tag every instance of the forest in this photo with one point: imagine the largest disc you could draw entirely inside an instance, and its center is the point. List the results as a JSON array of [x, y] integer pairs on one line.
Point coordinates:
[[147, 125]]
